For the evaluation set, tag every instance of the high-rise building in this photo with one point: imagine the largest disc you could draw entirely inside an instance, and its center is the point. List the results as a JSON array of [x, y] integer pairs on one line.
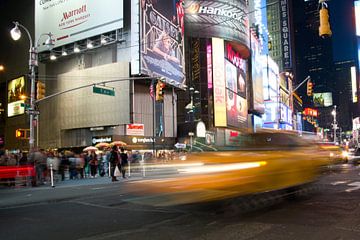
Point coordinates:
[[314, 58]]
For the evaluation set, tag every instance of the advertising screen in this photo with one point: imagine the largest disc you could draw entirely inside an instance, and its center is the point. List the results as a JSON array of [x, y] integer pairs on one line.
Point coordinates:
[[236, 107], [323, 99], [353, 84], [257, 76], [357, 17], [16, 91], [162, 39], [224, 19], [70, 21], [219, 82]]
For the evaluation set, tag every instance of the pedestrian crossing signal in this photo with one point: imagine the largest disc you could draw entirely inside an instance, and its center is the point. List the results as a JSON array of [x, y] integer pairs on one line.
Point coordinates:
[[20, 133]]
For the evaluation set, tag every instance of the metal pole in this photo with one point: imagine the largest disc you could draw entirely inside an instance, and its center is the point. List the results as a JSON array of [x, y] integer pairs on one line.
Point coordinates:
[[52, 175], [32, 97], [335, 125]]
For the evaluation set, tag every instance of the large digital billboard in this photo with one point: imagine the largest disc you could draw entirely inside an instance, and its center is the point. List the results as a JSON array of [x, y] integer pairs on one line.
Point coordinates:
[[357, 17], [219, 82], [225, 19], [257, 76], [162, 48], [236, 104], [16, 93], [70, 21], [323, 99]]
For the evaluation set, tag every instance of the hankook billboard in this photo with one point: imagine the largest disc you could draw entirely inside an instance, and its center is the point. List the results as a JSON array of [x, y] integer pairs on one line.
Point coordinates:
[[70, 21], [162, 44], [225, 19]]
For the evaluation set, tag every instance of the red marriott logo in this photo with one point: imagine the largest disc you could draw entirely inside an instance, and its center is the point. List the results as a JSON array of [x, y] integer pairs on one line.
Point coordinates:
[[72, 13]]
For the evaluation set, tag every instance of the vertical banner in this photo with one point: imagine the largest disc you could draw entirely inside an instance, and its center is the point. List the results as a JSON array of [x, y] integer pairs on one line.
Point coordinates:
[[219, 82], [162, 39], [285, 34]]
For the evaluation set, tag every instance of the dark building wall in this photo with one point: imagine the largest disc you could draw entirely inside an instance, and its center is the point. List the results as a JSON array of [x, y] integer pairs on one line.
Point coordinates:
[[314, 56], [14, 56]]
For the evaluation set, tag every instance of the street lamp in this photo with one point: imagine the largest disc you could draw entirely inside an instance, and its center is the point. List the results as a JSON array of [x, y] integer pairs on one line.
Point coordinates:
[[334, 122], [33, 62]]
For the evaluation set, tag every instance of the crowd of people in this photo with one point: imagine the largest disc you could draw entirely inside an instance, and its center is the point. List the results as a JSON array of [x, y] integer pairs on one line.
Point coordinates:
[[68, 165]]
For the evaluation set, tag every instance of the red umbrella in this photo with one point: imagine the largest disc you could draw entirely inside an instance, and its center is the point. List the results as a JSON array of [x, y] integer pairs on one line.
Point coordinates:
[[102, 145], [118, 143], [90, 148]]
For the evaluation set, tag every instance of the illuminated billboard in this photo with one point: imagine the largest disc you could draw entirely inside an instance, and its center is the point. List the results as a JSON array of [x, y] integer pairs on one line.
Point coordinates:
[[323, 99], [16, 93], [162, 48], [353, 84], [224, 19], [236, 106], [219, 82], [357, 17], [70, 21], [257, 76]]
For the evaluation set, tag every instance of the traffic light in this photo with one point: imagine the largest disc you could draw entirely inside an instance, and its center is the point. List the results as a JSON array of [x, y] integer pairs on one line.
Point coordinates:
[[159, 91], [20, 133], [40, 90], [309, 90], [324, 29]]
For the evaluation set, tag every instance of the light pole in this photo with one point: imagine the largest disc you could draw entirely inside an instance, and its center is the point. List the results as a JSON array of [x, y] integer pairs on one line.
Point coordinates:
[[334, 123], [33, 62]]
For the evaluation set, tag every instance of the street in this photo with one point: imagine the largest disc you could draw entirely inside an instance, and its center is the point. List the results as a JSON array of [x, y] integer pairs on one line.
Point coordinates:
[[104, 211]]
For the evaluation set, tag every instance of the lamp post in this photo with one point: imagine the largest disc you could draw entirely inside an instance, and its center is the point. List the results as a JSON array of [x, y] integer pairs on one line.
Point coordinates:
[[334, 123], [33, 62]]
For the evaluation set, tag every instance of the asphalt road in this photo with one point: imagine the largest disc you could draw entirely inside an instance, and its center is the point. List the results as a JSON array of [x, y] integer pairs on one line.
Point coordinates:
[[100, 210]]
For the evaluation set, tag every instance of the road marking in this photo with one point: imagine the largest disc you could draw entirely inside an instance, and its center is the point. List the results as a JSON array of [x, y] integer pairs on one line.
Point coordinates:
[[355, 185], [339, 182]]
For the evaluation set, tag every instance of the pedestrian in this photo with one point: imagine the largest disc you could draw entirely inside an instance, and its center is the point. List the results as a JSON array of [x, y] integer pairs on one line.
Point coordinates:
[[124, 162], [114, 161], [93, 162]]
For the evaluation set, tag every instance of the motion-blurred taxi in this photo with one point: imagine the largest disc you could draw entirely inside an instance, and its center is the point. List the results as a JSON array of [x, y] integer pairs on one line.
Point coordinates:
[[265, 161]]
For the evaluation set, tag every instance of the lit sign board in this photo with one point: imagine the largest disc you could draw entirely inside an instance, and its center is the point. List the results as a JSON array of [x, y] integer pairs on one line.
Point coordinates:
[[357, 17], [219, 82], [135, 129], [162, 48], [285, 34], [71, 21], [104, 139], [16, 92], [310, 112], [257, 76], [323, 99], [353, 84], [223, 19]]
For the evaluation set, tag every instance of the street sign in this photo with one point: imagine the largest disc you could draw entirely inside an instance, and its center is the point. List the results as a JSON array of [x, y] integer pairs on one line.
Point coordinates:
[[103, 90], [25, 105], [180, 145], [33, 112]]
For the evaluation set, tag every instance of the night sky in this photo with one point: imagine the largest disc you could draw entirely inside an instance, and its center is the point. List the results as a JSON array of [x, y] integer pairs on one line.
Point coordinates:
[[342, 20]]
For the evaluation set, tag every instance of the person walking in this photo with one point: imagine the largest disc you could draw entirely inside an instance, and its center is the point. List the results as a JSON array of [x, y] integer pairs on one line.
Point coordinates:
[[114, 161], [93, 164], [124, 162]]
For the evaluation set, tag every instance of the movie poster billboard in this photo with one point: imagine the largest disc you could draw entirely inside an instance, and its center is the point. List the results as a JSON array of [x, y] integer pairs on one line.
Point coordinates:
[[16, 93], [162, 39], [236, 110], [71, 21]]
